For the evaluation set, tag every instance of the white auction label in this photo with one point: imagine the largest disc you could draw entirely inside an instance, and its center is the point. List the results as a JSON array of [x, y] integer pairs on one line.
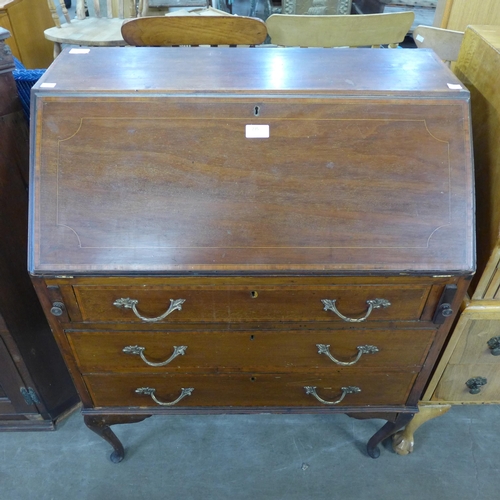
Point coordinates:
[[79, 51], [257, 131], [454, 86], [48, 85]]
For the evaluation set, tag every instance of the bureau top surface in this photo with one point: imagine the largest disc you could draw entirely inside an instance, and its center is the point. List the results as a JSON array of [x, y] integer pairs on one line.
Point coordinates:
[[259, 160], [165, 69]]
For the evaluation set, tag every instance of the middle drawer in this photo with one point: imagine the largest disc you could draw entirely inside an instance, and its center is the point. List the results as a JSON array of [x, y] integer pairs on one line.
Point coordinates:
[[242, 351]]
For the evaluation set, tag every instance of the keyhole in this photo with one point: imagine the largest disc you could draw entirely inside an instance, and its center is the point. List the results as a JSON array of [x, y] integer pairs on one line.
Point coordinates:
[[253, 379], [256, 111], [251, 337], [254, 294]]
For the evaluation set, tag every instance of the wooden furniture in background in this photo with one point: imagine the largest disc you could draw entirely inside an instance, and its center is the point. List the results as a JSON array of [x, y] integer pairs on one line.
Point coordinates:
[[155, 7], [339, 31], [92, 28], [293, 232], [194, 30], [469, 371], [249, 8], [35, 387], [316, 7], [458, 14], [26, 21], [378, 6], [445, 43]]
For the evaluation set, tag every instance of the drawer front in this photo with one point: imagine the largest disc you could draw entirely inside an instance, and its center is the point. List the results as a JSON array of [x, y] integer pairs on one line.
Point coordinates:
[[246, 390], [261, 351], [247, 303], [453, 384], [479, 342]]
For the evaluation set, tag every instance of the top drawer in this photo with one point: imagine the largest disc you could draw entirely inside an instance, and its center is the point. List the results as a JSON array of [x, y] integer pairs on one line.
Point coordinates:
[[150, 304]]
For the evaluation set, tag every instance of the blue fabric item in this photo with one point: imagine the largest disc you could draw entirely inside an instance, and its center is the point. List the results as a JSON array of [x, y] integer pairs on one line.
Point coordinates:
[[25, 79]]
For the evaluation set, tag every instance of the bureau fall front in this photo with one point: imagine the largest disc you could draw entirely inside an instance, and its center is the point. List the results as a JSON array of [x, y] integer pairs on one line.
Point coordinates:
[[220, 230]]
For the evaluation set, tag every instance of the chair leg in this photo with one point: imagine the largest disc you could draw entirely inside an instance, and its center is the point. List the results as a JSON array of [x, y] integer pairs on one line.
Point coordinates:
[[57, 49]]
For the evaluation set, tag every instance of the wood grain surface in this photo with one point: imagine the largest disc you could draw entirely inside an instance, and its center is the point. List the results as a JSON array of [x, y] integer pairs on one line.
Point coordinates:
[[377, 388], [248, 351], [178, 184], [164, 31]]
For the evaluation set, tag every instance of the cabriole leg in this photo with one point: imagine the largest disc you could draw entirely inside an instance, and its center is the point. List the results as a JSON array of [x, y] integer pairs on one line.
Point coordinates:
[[386, 431], [403, 441], [100, 425]]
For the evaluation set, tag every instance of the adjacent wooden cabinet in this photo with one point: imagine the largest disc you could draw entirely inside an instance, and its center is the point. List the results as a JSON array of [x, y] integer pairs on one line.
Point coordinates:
[[458, 14], [35, 386], [219, 230]]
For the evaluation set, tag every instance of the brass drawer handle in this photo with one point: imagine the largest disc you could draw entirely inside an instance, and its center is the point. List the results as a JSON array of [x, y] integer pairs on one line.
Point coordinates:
[[475, 384], [494, 345], [139, 350], [372, 304], [345, 390], [362, 349], [175, 305], [150, 391]]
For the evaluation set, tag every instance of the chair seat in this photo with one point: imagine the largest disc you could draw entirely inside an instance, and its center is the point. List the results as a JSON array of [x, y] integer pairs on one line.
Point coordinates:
[[92, 31]]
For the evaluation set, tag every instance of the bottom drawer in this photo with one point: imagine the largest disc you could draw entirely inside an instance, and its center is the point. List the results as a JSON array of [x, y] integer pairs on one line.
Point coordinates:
[[453, 384], [268, 390]]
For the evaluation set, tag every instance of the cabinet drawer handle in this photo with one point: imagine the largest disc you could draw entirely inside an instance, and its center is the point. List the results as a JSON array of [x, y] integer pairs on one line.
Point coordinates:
[[150, 391], [351, 389], [494, 345], [372, 304], [138, 350], [475, 384], [175, 305], [362, 349]]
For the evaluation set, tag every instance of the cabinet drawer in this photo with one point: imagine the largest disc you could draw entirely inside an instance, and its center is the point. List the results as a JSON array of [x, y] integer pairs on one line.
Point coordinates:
[[245, 390], [247, 303], [452, 385], [263, 351], [479, 337]]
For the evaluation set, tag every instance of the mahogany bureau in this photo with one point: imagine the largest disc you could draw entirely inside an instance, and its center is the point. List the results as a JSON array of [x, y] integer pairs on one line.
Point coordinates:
[[219, 230]]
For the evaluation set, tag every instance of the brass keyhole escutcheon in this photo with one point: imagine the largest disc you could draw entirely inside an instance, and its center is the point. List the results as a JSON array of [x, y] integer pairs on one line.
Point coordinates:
[[254, 294]]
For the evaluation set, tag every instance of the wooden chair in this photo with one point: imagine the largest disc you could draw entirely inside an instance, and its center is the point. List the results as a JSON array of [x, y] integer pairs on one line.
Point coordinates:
[[194, 30], [339, 31], [91, 27], [445, 43]]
